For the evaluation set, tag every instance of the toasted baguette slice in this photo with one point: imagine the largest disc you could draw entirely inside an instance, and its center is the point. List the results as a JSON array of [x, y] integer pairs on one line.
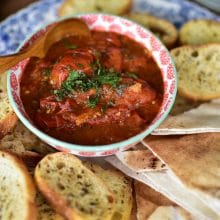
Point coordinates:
[[23, 143], [17, 190], [45, 212], [198, 70], [162, 28], [7, 116], [120, 185], [73, 190], [84, 6], [197, 32]]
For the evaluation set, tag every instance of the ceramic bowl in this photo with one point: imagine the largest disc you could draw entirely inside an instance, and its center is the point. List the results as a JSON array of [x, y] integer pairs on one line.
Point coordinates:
[[102, 22]]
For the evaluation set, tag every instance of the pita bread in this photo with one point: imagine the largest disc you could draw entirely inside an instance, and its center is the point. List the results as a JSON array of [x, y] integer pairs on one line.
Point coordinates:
[[195, 159], [169, 185], [152, 205], [141, 160], [205, 118], [170, 212]]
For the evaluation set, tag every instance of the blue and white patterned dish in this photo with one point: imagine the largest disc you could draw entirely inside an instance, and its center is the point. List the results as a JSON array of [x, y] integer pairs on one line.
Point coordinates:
[[17, 27]]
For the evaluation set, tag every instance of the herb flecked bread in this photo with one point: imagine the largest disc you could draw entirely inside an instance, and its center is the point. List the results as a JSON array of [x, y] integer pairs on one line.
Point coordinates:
[[84, 6], [162, 28], [17, 190], [120, 185], [198, 71], [201, 31], [73, 190], [24, 144], [45, 212], [7, 116]]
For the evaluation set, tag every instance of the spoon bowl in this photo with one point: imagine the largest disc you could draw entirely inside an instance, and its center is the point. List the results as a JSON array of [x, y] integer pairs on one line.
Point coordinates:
[[54, 33]]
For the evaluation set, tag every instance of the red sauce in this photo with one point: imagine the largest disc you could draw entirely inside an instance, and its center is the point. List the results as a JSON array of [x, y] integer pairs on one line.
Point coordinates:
[[93, 91]]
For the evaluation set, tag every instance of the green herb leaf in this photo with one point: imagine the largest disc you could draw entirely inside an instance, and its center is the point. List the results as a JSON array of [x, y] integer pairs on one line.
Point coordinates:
[[78, 81], [68, 45], [132, 75], [80, 65], [46, 72], [93, 101]]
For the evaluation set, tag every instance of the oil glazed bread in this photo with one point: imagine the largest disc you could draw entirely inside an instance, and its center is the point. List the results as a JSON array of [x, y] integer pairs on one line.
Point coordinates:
[[7, 116], [73, 190], [120, 185], [84, 6], [17, 190], [162, 28], [198, 69], [201, 31]]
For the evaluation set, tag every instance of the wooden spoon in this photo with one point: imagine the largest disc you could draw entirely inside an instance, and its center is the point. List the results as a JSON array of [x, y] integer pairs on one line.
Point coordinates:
[[72, 26]]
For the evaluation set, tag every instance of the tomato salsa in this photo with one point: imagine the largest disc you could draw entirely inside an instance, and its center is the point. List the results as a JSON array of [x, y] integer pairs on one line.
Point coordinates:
[[93, 90]]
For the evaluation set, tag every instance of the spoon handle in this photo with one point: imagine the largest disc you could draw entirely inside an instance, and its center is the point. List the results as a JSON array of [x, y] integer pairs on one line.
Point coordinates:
[[8, 61], [36, 49]]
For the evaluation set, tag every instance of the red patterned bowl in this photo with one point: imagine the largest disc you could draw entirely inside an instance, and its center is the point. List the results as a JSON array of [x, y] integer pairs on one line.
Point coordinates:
[[104, 23]]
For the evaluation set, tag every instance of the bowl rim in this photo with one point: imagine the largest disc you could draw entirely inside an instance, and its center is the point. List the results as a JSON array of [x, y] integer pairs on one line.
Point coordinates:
[[91, 148]]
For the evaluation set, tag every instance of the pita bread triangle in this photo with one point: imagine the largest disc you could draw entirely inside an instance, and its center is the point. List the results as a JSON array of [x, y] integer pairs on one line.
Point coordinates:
[[170, 186], [205, 118], [152, 205], [141, 160], [195, 160]]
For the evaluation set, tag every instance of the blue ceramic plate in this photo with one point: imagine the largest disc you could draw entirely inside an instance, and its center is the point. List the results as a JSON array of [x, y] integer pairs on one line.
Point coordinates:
[[17, 27]]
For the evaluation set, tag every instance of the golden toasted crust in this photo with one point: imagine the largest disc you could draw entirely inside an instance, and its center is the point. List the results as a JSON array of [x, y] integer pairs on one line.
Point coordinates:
[[85, 6], [7, 116], [45, 212], [57, 202], [21, 176], [200, 31], [120, 185], [24, 144], [162, 28], [7, 124], [72, 189], [198, 71]]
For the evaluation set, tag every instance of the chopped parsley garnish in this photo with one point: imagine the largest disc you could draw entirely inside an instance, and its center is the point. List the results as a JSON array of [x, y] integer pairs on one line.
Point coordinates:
[[132, 75], [79, 81], [93, 101], [80, 65], [46, 72], [68, 45], [73, 82]]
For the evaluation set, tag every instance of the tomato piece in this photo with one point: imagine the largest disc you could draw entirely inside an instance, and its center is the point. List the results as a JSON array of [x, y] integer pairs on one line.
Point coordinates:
[[134, 64], [49, 120], [79, 60], [113, 58]]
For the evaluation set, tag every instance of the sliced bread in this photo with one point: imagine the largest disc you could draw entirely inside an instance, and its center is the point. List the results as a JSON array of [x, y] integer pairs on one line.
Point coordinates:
[[201, 31], [162, 28], [17, 190], [120, 185], [152, 205], [198, 70], [84, 6], [45, 212], [73, 190], [7, 116], [23, 143]]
